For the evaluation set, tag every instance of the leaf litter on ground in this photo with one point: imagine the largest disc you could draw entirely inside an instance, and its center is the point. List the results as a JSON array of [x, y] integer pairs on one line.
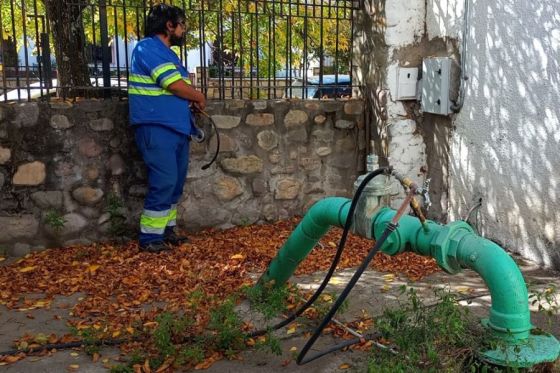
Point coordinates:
[[126, 289]]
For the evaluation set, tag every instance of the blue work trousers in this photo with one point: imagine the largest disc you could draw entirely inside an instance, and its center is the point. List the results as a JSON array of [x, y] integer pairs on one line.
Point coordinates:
[[166, 154]]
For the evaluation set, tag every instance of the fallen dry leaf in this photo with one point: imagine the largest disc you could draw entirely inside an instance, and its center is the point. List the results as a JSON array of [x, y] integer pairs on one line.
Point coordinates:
[[120, 286]]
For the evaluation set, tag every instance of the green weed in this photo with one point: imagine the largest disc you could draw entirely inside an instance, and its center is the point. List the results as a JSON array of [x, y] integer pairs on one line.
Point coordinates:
[[117, 220], [55, 220], [436, 338], [226, 327]]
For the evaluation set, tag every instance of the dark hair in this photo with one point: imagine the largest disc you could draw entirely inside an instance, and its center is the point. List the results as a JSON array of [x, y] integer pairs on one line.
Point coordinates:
[[156, 22]]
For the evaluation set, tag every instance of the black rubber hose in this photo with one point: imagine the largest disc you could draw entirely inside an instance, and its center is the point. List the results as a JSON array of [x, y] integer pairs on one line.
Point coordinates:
[[217, 141], [301, 357], [62, 346], [336, 259]]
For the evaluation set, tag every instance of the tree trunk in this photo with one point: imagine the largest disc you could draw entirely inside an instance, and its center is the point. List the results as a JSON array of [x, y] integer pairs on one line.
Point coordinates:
[[69, 43]]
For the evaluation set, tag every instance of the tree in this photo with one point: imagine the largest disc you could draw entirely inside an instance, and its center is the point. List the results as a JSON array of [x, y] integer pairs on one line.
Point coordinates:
[[65, 18]]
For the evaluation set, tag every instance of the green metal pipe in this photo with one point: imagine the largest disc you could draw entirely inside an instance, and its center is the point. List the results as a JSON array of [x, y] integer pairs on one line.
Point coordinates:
[[456, 246], [324, 214]]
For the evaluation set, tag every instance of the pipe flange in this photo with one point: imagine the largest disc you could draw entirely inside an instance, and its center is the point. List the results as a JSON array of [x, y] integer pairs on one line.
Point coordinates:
[[538, 348], [445, 243]]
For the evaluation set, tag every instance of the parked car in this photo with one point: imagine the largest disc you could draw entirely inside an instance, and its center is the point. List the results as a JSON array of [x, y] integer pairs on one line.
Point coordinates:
[[333, 86]]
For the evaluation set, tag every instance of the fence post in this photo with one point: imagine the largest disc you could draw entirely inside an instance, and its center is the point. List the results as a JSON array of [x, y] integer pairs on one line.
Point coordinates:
[[46, 60], [105, 48]]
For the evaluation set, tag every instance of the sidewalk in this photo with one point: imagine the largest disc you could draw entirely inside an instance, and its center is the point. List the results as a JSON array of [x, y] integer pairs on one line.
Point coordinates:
[[373, 293]]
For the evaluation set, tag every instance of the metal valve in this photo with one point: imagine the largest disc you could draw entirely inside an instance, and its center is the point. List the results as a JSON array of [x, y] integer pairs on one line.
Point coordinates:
[[424, 191]]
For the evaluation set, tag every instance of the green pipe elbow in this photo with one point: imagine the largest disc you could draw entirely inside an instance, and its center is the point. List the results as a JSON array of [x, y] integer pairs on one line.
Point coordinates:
[[509, 314], [325, 213], [456, 246]]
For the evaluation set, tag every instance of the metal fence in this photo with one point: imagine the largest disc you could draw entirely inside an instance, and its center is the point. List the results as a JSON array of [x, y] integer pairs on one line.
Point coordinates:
[[257, 49]]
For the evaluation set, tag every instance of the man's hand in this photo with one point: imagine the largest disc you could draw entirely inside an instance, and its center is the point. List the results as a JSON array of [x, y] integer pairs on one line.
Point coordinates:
[[183, 90], [200, 106]]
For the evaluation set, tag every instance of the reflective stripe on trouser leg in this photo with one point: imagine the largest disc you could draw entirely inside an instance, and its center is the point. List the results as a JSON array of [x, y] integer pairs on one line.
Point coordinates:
[[154, 222], [158, 146], [172, 221]]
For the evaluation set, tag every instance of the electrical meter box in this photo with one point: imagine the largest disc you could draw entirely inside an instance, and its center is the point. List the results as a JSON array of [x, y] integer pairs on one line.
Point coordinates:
[[439, 84], [407, 81]]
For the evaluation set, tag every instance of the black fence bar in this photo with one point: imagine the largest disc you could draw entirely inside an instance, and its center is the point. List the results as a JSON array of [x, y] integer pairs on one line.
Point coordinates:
[[234, 48]]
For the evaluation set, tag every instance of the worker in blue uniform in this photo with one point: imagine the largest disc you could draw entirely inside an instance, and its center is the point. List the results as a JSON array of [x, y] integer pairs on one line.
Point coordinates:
[[160, 96]]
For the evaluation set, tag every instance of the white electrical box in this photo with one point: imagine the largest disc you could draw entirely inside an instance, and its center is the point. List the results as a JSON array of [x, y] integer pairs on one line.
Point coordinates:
[[436, 85], [407, 81]]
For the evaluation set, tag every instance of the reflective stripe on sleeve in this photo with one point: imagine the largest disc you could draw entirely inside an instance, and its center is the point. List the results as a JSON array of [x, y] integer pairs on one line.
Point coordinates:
[[170, 79], [147, 91], [164, 67]]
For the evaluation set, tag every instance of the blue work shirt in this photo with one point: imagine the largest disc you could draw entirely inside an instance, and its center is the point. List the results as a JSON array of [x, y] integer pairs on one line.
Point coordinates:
[[154, 67]]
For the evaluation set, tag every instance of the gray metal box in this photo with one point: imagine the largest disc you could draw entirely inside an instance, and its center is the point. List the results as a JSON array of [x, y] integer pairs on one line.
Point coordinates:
[[407, 81], [438, 74]]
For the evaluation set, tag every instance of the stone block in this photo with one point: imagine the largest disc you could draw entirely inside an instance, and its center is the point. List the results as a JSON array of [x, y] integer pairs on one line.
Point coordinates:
[[60, 122], [5, 155], [259, 186], [320, 119], [18, 227], [19, 250], [243, 165], [60, 105], [86, 195], [88, 147], [297, 135], [260, 119], [269, 212], [227, 188], [323, 151], [344, 124], [295, 118], [101, 124], [33, 173], [116, 165], [287, 188], [235, 104], [267, 140], [48, 199], [91, 106], [259, 105], [91, 172], [226, 121], [227, 144], [354, 107], [26, 114], [310, 163]]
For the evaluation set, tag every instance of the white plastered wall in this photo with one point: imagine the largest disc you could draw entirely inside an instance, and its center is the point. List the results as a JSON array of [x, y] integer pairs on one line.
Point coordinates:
[[506, 144], [407, 152]]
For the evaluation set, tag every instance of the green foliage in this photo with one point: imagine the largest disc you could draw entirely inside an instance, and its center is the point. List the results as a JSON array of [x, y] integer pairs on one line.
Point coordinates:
[[169, 331], [226, 325], [90, 339], [428, 338], [117, 220], [270, 343], [268, 300], [546, 300], [192, 354], [55, 220], [122, 369]]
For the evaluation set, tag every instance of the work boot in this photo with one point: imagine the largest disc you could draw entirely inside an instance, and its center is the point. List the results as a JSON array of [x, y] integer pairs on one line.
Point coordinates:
[[172, 238], [155, 247]]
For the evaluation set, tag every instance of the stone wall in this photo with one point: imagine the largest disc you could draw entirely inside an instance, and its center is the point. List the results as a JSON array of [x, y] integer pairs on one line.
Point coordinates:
[[70, 173]]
